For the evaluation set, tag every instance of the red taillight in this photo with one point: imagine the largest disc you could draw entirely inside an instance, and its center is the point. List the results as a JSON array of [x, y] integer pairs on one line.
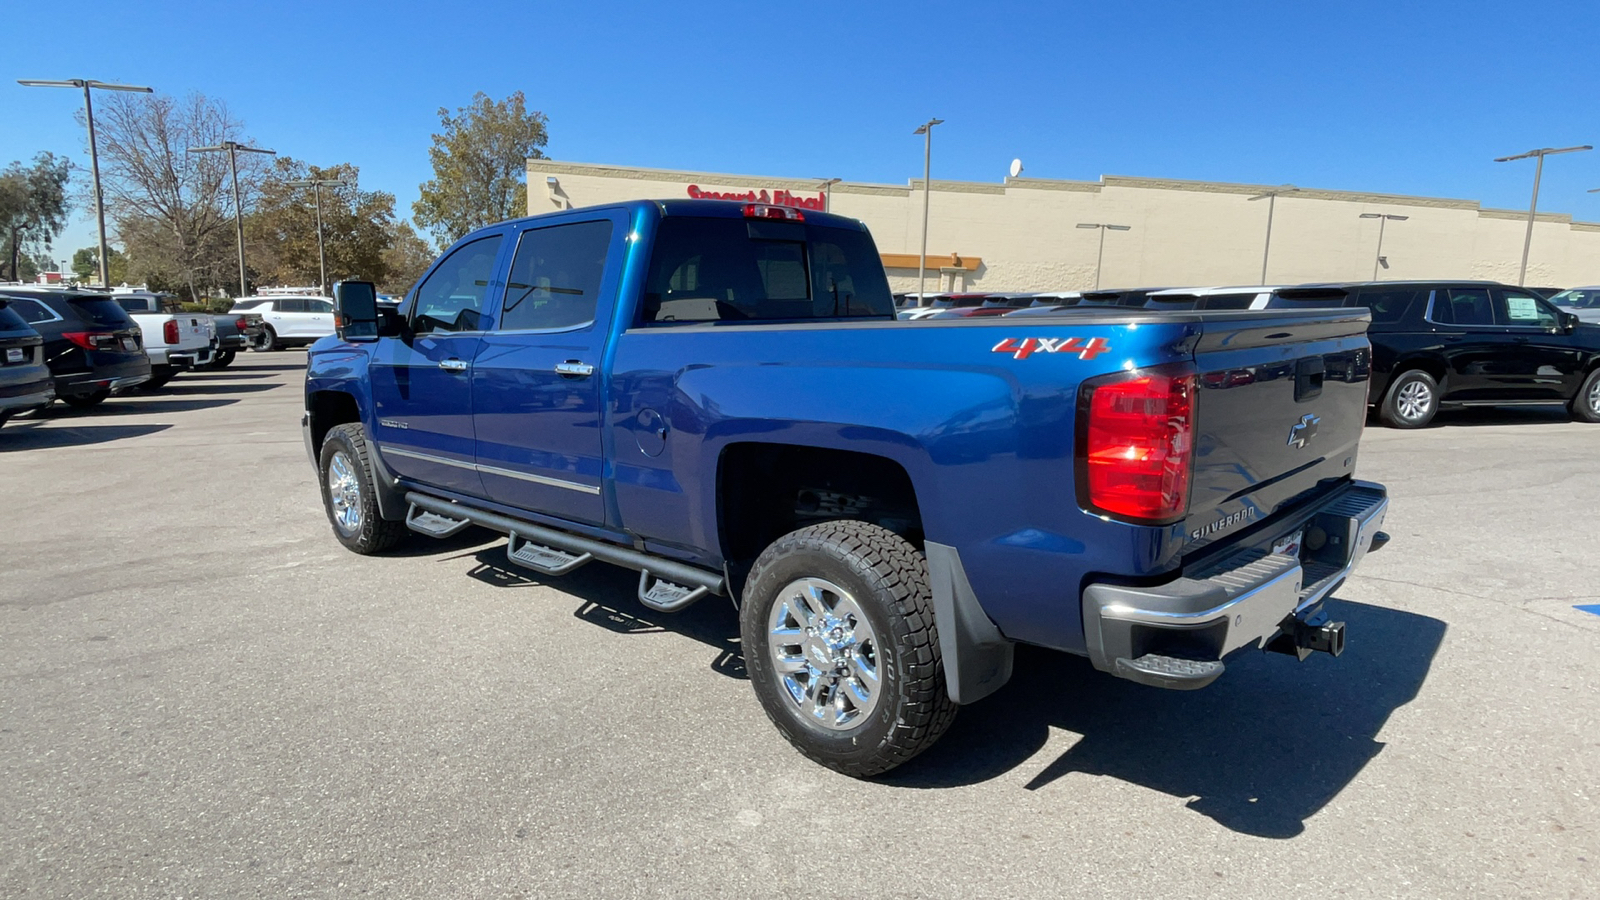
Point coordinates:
[[169, 331], [763, 211], [242, 324], [1138, 443], [91, 340]]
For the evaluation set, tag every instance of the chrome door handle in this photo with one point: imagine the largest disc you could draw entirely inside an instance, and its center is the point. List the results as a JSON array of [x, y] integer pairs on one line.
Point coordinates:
[[452, 365], [573, 368]]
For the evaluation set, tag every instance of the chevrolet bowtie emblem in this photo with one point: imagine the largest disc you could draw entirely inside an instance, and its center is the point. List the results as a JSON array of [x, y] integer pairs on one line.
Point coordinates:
[[1301, 433]]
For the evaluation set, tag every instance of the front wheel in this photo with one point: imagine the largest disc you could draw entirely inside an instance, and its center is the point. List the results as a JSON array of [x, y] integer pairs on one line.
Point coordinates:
[[839, 639], [1586, 405], [1412, 401], [348, 496]]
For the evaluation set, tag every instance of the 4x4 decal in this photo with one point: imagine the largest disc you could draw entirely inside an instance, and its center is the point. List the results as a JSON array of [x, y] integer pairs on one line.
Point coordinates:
[[1086, 350]]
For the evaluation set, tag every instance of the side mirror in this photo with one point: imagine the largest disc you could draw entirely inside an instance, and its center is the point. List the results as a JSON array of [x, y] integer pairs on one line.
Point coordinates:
[[355, 310], [1569, 322]]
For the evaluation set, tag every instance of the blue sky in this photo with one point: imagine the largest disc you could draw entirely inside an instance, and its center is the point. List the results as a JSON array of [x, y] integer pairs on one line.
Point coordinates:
[[1413, 98]]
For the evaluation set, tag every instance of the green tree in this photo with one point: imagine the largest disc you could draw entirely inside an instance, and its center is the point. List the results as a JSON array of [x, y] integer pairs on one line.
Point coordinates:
[[33, 210], [480, 160], [86, 265], [407, 257], [281, 233]]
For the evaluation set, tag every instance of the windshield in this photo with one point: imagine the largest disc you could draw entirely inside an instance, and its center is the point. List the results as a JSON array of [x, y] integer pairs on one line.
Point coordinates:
[[1578, 298]]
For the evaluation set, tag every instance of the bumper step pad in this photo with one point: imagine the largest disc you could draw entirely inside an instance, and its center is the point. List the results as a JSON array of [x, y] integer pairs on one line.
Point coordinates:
[[1169, 672]]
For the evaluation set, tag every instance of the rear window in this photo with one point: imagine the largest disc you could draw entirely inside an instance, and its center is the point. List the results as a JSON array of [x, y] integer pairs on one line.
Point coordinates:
[[101, 311], [741, 270], [1227, 301], [9, 320]]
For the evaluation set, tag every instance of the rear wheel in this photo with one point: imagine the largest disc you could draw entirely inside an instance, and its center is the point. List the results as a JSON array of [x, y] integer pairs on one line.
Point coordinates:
[[1412, 401], [223, 359], [269, 339], [1586, 405], [85, 401], [159, 376], [347, 493], [839, 638]]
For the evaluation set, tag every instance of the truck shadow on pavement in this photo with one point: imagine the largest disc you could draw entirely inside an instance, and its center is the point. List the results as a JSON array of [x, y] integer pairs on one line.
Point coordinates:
[[609, 600], [1260, 751], [20, 436]]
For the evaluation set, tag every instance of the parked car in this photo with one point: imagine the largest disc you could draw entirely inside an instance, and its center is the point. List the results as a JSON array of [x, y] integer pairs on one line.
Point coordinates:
[[174, 340], [288, 321], [695, 390], [234, 332], [1583, 302], [1255, 297], [25, 381], [1467, 343], [91, 345]]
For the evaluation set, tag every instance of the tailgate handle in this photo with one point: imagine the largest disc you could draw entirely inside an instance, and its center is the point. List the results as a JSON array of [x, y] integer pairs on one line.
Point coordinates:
[[1308, 378]]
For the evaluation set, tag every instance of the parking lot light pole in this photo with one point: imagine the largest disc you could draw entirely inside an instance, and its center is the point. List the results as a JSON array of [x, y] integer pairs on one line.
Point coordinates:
[[1383, 219], [1100, 256], [316, 185], [88, 85], [1538, 171], [827, 193], [233, 149], [927, 166], [1272, 199]]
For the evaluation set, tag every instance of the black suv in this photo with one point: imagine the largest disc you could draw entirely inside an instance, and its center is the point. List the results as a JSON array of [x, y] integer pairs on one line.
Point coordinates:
[[24, 381], [90, 344], [1467, 343]]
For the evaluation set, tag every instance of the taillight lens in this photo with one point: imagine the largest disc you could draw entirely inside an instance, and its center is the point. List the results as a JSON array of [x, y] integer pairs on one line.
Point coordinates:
[[169, 331], [91, 340], [1137, 444], [242, 324], [763, 211]]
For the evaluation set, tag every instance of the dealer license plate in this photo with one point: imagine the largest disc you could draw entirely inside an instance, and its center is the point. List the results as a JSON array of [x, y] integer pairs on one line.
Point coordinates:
[[13, 354], [1290, 545]]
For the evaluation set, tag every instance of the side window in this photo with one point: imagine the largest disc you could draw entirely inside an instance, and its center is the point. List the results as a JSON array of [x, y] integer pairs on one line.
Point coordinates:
[[319, 306], [1389, 307], [291, 304], [451, 299], [555, 277], [1524, 310], [1468, 306], [32, 311]]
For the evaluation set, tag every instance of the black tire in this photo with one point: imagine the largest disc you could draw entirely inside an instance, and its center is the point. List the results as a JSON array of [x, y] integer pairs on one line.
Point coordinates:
[[86, 401], [369, 532], [269, 339], [159, 376], [1412, 400], [223, 359], [1585, 407], [886, 580]]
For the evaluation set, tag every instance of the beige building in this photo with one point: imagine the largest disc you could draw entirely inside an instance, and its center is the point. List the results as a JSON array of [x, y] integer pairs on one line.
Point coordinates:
[[1023, 235]]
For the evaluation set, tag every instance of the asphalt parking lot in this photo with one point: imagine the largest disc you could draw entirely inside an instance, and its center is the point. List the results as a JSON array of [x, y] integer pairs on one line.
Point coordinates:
[[203, 695]]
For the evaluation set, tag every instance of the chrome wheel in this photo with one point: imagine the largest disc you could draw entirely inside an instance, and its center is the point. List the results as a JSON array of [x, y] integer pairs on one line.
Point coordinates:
[[825, 654], [1414, 401], [1594, 397], [344, 493]]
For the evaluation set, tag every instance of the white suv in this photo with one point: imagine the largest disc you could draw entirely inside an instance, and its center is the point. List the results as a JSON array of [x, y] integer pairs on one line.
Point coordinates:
[[289, 320]]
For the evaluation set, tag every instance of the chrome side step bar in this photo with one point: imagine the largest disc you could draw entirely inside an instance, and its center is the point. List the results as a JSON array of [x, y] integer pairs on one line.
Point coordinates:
[[665, 585]]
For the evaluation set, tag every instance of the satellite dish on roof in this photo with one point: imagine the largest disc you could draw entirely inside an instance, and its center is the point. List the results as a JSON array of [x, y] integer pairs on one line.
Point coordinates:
[[1016, 167]]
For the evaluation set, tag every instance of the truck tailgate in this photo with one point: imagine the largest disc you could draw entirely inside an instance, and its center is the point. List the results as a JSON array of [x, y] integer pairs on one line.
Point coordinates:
[[1280, 404], [194, 330]]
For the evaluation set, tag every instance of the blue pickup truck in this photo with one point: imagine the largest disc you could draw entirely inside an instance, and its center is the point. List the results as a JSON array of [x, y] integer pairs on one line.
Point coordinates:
[[718, 396]]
